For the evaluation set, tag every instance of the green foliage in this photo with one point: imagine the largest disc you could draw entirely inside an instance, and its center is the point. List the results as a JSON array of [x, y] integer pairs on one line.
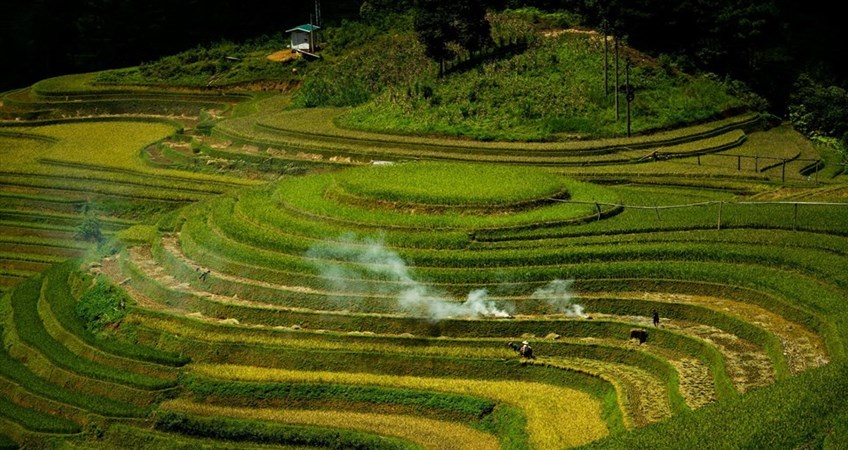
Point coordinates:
[[32, 331], [553, 90], [219, 64], [7, 443], [559, 19], [816, 109], [205, 122], [17, 372], [34, 420], [435, 183], [90, 229], [102, 306], [359, 73], [63, 305], [440, 405], [268, 433], [443, 25], [377, 11]]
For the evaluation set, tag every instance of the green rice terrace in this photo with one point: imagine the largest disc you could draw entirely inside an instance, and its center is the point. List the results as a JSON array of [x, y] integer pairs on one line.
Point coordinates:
[[216, 268]]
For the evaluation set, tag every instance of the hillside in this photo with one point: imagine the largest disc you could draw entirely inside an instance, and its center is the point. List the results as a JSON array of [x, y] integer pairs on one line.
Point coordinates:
[[537, 84], [186, 264]]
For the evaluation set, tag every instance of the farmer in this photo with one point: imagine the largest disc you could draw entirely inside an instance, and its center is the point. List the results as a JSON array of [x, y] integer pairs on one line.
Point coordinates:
[[526, 350], [656, 318]]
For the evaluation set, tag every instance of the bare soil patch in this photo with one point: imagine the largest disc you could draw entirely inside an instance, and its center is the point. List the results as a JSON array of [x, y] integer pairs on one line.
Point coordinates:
[[803, 348], [283, 55]]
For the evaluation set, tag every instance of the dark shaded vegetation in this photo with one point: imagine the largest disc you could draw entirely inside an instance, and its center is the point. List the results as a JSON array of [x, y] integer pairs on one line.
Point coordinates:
[[782, 50], [269, 433], [44, 38], [454, 406]]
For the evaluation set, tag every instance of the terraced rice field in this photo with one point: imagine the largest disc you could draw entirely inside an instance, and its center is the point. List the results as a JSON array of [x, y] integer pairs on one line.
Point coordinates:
[[56, 173], [370, 307]]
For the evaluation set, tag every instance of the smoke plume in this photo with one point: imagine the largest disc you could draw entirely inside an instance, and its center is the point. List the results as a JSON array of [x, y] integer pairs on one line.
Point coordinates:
[[372, 260], [558, 294]]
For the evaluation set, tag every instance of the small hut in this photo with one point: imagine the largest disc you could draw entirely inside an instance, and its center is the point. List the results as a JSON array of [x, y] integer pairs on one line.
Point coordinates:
[[303, 37]]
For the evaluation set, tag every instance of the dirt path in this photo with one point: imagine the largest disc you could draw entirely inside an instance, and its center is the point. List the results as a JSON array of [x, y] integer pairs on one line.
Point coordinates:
[[171, 245], [747, 365], [803, 348]]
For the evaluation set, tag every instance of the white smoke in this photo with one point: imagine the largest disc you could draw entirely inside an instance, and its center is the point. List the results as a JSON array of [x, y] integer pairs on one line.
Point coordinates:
[[477, 304], [558, 294], [371, 257]]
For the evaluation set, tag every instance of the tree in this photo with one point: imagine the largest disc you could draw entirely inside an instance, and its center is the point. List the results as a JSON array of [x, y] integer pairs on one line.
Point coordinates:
[[375, 10], [816, 109], [443, 24]]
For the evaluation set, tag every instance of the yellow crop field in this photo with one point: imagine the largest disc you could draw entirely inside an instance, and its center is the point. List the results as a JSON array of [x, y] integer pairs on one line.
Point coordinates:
[[111, 145], [315, 344], [429, 433], [557, 417]]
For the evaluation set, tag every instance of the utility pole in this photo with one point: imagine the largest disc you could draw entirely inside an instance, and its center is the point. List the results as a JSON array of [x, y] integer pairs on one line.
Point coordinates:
[[615, 45], [311, 35], [605, 28], [629, 92], [318, 12]]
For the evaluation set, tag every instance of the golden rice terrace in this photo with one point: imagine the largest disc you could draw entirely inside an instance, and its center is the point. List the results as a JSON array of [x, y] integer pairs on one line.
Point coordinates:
[[282, 283]]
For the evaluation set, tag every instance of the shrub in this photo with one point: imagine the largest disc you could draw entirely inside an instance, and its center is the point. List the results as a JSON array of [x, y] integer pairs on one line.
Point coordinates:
[[101, 306], [818, 109], [90, 229]]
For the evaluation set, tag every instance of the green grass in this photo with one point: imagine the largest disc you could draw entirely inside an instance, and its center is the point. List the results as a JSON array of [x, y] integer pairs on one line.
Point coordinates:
[[32, 332], [307, 197], [128, 437], [437, 184], [805, 407], [34, 420], [490, 233], [552, 90], [219, 65], [269, 433], [457, 407], [62, 304], [106, 145], [13, 370], [7, 443]]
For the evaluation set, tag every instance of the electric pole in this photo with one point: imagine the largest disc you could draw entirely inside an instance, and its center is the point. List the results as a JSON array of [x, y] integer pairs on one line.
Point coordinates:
[[318, 12], [629, 92], [617, 85], [604, 29]]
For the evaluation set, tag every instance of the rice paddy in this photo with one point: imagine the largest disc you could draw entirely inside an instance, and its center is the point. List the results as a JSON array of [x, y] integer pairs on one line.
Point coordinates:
[[289, 282]]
